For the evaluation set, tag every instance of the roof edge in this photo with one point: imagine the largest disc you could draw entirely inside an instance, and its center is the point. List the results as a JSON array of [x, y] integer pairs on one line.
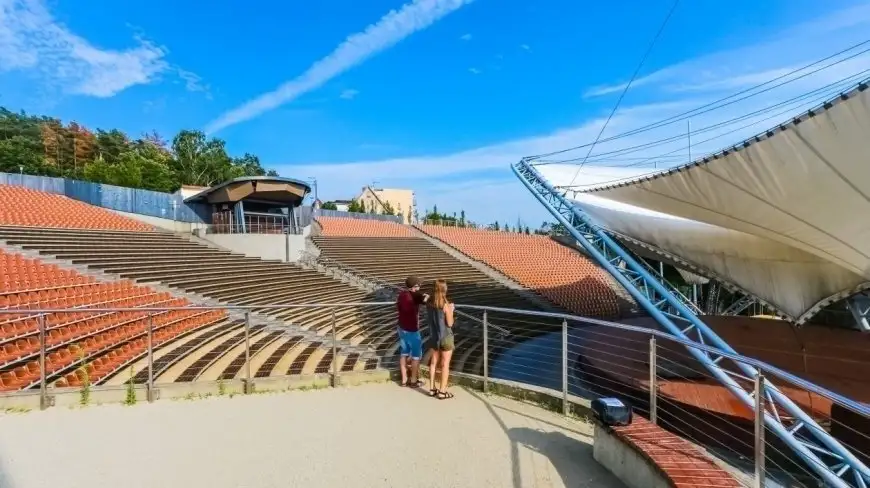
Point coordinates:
[[761, 136], [248, 178], [703, 271]]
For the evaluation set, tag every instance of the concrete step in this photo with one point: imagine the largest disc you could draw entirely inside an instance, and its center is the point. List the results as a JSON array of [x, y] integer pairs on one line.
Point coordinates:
[[146, 269]]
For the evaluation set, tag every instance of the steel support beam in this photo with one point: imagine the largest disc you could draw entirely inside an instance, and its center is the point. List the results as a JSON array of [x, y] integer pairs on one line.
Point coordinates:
[[738, 306], [859, 305], [819, 450]]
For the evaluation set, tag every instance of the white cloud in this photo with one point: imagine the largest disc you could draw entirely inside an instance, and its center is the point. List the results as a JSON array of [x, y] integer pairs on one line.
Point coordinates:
[[749, 65], [479, 180], [31, 39], [525, 47], [454, 181], [474, 71], [193, 82], [465, 37], [597, 91], [349, 94], [385, 33]]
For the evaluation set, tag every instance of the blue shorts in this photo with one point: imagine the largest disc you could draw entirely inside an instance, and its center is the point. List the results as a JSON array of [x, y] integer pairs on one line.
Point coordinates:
[[410, 344]]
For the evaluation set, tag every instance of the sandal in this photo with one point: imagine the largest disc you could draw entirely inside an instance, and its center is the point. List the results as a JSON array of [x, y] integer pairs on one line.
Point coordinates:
[[416, 384], [444, 395], [433, 392]]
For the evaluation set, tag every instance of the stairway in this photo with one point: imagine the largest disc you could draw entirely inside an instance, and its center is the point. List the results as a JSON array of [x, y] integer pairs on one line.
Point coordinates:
[[212, 276]]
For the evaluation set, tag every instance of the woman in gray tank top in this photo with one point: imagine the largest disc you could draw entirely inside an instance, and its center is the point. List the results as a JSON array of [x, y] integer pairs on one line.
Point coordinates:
[[439, 318]]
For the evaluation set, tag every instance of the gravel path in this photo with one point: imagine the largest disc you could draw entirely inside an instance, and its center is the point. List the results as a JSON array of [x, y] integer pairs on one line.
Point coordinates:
[[365, 436]]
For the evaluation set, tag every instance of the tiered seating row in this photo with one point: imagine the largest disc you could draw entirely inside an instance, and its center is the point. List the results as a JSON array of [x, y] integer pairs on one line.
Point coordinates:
[[25, 207], [230, 278], [64, 327], [166, 328], [71, 335], [18, 273], [345, 227], [560, 274], [393, 259]]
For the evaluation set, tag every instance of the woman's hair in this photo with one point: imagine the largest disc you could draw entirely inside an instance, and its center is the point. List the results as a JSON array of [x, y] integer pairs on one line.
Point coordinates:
[[439, 295]]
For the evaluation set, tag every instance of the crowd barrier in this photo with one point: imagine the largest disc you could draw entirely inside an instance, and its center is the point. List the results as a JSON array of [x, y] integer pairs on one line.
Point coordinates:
[[572, 359]]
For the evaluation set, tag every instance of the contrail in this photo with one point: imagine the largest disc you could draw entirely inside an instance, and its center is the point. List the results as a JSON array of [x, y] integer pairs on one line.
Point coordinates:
[[388, 31]]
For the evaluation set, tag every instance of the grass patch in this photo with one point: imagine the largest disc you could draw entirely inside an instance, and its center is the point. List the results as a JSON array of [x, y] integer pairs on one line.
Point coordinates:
[[14, 410], [85, 392], [130, 399]]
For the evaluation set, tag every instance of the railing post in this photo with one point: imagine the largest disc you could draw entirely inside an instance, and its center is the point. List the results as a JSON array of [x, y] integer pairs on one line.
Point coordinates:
[[565, 367], [335, 380], [485, 352], [248, 386], [760, 471], [149, 393], [43, 397], [287, 245], [653, 381]]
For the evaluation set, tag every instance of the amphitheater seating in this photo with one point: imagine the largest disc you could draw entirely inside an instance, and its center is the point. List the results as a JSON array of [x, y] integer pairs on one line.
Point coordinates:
[[81, 335], [21, 206], [558, 273], [392, 259], [345, 227], [232, 279]]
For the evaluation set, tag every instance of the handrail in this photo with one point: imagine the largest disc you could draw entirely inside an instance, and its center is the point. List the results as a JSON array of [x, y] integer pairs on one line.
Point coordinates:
[[388, 286], [853, 405]]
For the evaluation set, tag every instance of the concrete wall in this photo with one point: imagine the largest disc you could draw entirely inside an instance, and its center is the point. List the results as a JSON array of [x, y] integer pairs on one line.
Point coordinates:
[[625, 462], [402, 201], [165, 224], [264, 246]]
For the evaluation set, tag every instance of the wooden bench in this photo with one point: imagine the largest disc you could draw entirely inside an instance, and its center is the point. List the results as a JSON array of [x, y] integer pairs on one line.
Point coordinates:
[[645, 455]]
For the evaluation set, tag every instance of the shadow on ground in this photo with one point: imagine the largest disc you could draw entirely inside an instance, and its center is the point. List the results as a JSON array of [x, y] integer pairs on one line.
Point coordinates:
[[570, 457]]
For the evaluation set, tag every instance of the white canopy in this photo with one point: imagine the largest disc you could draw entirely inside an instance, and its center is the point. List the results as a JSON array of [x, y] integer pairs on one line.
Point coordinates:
[[784, 216]]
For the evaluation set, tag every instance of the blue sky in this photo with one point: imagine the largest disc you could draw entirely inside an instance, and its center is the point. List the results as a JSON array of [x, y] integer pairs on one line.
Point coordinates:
[[440, 96]]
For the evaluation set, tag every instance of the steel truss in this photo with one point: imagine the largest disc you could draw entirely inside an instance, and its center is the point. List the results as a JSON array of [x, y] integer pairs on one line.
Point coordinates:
[[859, 305], [739, 305], [817, 448]]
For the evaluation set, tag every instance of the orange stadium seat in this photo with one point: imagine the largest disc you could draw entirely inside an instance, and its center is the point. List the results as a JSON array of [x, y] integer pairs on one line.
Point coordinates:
[[117, 337], [21, 206], [348, 227], [558, 273]]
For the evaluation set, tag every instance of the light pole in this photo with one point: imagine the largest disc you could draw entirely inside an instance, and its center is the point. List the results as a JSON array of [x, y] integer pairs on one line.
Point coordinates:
[[313, 180]]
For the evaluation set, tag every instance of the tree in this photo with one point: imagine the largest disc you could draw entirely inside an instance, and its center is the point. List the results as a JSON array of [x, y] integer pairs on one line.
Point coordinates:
[[440, 218], [356, 206], [42, 145], [329, 206], [83, 148], [250, 165], [553, 228], [111, 144], [203, 162], [51, 142], [462, 218], [528, 231], [388, 209]]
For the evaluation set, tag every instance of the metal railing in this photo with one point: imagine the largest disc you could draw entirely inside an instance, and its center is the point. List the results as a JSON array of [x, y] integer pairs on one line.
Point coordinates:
[[826, 455], [568, 357], [254, 223], [387, 290]]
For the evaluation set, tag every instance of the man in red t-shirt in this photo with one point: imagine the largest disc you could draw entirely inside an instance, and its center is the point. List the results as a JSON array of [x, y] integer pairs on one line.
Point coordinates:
[[410, 343]]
